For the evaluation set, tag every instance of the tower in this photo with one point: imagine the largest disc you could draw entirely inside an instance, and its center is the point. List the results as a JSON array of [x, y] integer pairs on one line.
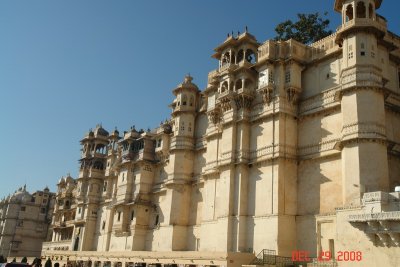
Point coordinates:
[[90, 183], [180, 169], [364, 150]]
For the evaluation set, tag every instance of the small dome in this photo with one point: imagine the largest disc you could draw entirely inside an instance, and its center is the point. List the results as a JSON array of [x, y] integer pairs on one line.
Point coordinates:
[[20, 195]]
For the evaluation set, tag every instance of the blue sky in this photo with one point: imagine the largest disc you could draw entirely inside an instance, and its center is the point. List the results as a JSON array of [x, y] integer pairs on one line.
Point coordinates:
[[67, 65]]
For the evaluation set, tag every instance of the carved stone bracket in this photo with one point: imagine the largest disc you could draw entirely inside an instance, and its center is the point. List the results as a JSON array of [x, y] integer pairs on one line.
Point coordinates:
[[214, 115], [292, 94], [267, 93], [243, 101]]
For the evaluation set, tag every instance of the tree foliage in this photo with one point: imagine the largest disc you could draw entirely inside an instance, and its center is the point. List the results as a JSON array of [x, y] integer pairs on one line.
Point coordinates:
[[24, 260], [308, 29], [2, 259]]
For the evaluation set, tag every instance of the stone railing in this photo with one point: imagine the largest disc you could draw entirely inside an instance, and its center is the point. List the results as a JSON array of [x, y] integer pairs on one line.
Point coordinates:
[[363, 130], [364, 22], [57, 245], [392, 215], [372, 197], [167, 257], [324, 47], [319, 102], [324, 145]]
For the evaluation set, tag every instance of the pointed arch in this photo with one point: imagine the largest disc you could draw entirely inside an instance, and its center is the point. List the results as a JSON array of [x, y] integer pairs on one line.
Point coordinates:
[[349, 12], [361, 10]]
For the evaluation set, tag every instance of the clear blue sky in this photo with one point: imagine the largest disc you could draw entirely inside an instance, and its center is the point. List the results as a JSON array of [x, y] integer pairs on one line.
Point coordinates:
[[67, 65]]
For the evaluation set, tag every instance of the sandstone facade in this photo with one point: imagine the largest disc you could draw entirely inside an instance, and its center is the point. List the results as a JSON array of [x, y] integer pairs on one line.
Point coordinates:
[[282, 151]]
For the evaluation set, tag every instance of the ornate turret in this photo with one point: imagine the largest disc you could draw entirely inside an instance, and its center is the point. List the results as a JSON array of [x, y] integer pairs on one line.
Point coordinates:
[[184, 107], [94, 150]]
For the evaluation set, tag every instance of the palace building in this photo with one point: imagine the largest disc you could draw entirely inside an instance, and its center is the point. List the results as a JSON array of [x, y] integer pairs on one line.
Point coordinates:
[[24, 222], [289, 148]]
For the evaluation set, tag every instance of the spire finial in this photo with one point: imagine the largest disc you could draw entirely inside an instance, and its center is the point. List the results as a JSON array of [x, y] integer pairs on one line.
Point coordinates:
[[245, 28]]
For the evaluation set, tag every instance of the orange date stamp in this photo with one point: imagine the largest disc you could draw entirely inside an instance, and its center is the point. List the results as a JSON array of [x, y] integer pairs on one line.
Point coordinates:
[[304, 256]]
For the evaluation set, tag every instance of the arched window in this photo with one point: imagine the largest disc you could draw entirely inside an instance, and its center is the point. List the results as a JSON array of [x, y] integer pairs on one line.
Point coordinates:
[[250, 56], [239, 56], [184, 100], [132, 215], [371, 11], [238, 84], [224, 86], [361, 10], [248, 84], [225, 59], [349, 13]]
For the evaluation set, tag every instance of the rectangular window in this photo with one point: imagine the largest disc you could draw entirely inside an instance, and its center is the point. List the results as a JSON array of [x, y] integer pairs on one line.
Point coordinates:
[[119, 216], [362, 53], [103, 226]]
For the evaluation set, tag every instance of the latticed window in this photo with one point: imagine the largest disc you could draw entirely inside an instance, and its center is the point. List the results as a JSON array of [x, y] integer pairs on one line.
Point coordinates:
[[287, 77], [270, 77]]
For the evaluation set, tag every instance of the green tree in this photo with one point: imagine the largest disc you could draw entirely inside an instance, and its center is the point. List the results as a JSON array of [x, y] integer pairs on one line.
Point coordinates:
[[24, 260], [48, 263], [308, 29], [2, 259], [14, 260]]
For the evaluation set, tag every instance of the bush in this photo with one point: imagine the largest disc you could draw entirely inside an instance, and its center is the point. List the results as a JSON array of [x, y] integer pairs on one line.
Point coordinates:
[[14, 260], [24, 260], [2, 259]]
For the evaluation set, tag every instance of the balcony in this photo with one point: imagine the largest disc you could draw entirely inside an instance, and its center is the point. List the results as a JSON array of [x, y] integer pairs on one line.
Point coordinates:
[[142, 154], [213, 77], [383, 224], [227, 67], [265, 51]]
